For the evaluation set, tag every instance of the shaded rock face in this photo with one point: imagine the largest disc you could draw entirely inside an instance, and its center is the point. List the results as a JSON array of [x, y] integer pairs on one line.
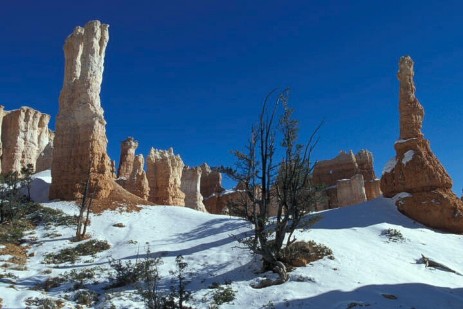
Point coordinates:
[[340, 174], [211, 181], [25, 137], [191, 178], [416, 170], [128, 148], [2, 113], [45, 159], [164, 177]]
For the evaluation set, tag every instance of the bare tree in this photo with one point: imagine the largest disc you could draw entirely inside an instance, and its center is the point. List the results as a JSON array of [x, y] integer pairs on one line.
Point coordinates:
[[286, 185], [85, 208]]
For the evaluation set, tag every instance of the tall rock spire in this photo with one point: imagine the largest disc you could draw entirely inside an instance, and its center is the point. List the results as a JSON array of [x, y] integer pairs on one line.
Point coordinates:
[[415, 170]]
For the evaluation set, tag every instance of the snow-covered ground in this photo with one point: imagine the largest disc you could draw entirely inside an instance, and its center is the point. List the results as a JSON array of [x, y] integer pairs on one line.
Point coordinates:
[[368, 269]]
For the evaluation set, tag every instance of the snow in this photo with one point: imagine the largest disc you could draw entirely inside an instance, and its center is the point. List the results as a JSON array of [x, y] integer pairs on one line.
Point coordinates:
[[390, 165], [400, 141], [366, 269], [408, 156]]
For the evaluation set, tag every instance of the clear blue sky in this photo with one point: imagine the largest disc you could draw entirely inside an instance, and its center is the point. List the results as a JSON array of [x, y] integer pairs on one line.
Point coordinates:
[[192, 74]]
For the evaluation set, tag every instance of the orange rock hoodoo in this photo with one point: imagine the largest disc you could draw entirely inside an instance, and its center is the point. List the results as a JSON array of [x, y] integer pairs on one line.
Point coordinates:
[[416, 170]]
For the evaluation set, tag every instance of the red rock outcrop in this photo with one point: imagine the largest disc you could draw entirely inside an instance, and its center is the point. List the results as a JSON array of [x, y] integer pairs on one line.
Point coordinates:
[[2, 113], [211, 181], [191, 177], [416, 170], [128, 148], [25, 135], [340, 171], [164, 177]]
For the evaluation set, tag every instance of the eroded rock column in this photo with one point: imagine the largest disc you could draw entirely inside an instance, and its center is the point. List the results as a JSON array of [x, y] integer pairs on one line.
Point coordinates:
[[415, 176], [191, 178], [164, 177], [128, 148], [80, 141]]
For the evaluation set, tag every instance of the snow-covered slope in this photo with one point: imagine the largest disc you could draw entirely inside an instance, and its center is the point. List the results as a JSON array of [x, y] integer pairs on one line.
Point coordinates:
[[368, 268]]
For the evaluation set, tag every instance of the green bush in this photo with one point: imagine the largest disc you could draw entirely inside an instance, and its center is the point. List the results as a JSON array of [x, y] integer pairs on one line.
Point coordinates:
[[72, 254]]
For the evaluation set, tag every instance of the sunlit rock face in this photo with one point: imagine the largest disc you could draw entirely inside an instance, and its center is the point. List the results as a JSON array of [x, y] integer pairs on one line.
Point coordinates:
[[80, 140], [343, 186], [137, 182], [25, 139], [164, 174], [191, 178], [416, 170]]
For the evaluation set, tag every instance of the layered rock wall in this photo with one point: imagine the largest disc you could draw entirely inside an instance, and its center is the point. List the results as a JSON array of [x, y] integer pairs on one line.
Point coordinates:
[[340, 176], [25, 135], [415, 177], [164, 177], [137, 182], [191, 179]]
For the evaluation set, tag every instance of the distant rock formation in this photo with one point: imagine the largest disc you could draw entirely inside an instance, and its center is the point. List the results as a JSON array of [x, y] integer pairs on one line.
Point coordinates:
[[415, 177], [137, 182], [211, 181], [191, 178], [164, 177], [2, 113], [342, 185], [128, 148], [25, 139]]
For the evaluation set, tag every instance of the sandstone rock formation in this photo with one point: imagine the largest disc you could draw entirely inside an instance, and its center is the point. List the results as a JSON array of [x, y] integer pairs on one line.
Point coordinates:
[[351, 191], [164, 177], [131, 173], [1, 147], [137, 182], [80, 141], [342, 184], [128, 148], [416, 170], [25, 137], [191, 178], [211, 181], [45, 158]]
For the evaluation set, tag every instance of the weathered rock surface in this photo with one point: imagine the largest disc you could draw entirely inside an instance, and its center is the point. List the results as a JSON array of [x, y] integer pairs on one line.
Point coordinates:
[[2, 113], [128, 148], [25, 136], [164, 177], [45, 159], [191, 178], [137, 182], [80, 139], [211, 181], [341, 173], [416, 170], [351, 191]]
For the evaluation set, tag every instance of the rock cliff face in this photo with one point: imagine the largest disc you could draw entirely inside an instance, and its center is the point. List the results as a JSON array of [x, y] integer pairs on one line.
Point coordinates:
[[128, 148], [1, 147], [191, 178], [416, 170], [164, 177], [211, 181], [80, 141], [340, 177], [25, 136]]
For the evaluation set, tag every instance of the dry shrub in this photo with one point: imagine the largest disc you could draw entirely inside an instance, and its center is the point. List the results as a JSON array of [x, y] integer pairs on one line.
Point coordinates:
[[301, 253]]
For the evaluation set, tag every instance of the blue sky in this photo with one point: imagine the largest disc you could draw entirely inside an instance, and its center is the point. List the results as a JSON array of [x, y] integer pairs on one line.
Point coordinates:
[[192, 74]]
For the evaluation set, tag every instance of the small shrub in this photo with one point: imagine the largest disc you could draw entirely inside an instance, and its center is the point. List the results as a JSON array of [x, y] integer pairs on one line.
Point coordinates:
[[302, 253], [50, 283], [44, 303], [86, 297], [120, 224], [13, 232], [71, 254], [50, 216], [223, 295], [393, 235], [129, 273]]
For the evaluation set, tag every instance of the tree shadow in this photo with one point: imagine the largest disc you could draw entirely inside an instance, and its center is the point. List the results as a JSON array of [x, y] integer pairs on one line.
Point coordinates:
[[377, 211], [407, 295]]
